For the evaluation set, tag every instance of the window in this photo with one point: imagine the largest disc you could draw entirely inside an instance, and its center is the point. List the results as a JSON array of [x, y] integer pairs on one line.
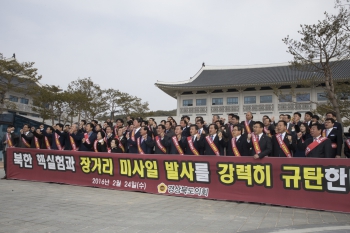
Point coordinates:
[[232, 100], [201, 102], [13, 98], [266, 99], [285, 98], [217, 101], [187, 103], [249, 99], [321, 97], [24, 101], [303, 97]]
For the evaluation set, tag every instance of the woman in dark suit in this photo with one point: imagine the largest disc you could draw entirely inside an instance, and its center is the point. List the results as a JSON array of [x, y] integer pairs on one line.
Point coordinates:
[[305, 130]]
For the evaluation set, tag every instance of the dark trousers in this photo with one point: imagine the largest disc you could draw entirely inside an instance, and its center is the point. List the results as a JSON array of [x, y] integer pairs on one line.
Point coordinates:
[[4, 158]]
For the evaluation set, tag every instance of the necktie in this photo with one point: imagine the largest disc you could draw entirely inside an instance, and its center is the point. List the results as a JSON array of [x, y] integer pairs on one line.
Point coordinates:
[[192, 138], [328, 131], [212, 137], [235, 139]]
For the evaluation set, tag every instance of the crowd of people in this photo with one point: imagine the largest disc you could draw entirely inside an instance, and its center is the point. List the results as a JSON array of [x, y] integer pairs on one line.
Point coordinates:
[[287, 137]]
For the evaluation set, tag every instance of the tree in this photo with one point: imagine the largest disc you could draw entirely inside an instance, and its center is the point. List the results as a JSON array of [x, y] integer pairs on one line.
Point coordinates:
[[16, 77], [49, 102], [88, 98], [321, 47]]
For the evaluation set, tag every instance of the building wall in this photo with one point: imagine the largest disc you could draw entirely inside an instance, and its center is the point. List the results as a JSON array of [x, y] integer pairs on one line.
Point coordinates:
[[275, 107]]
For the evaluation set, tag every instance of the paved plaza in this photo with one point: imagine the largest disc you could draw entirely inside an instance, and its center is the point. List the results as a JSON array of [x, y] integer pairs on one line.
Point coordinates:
[[46, 207]]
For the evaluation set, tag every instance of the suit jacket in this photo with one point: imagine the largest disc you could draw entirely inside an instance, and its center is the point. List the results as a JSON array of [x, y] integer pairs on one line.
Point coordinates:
[[109, 139], [99, 146], [186, 132], [196, 145], [147, 145], [272, 130], [290, 127], [132, 145], [28, 138], [165, 143], [251, 124], [172, 148], [242, 146], [170, 133], [14, 139], [228, 127], [152, 132], [336, 137], [88, 147], [323, 150], [208, 150], [276, 149], [338, 126], [265, 146], [298, 152]]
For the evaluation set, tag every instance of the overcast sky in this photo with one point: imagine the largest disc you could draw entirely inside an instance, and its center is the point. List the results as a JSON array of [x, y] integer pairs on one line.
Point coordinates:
[[129, 45]]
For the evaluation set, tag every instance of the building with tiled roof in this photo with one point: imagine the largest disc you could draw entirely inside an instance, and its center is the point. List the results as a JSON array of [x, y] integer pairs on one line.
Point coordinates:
[[220, 90]]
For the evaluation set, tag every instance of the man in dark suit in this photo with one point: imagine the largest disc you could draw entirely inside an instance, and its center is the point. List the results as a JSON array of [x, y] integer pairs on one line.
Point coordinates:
[[240, 141], [282, 137], [201, 128], [26, 137], [233, 120], [61, 140], [89, 138], [290, 126], [185, 128], [161, 141], [152, 128], [260, 143], [192, 143], [133, 136], [308, 118], [248, 123], [269, 129], [42, 138], [317, 146], [146, 143], [168, 129], [10, 139], [334, 135], [213, 144], [297, 117], [336, 125], [178, 139]]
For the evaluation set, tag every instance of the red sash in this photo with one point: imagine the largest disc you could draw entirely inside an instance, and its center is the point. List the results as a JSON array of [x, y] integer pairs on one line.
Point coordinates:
[[133, 135], [160, 146], [247, 128], [95, 146], [256, 143], [348, 143], [212, 145], [177, 146], [265, 130], [120, 143], [283, 146], [86, 136], [25, 143], [37, 146], [190, 143], [324, 133], [314, 144], [234, 147], [72, 142], [9, 141], [139, 146], [47, 143], [58, 144]]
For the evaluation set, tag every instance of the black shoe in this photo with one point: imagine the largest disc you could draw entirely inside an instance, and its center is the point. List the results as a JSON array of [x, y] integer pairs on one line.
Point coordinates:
[[4, 178]]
